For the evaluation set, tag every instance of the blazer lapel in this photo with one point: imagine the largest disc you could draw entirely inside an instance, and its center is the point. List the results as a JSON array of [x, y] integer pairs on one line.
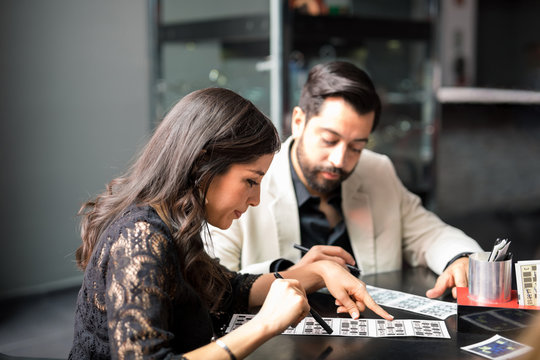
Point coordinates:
[[283, 206], [359, 221]]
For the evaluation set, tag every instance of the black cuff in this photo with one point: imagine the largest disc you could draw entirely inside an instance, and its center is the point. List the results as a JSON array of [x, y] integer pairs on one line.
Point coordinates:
[[280, 265], [458, 256]]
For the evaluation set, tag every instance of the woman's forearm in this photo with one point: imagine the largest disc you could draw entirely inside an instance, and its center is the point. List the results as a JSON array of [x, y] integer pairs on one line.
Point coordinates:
[[241, 342], [285, 304], [309, 276]]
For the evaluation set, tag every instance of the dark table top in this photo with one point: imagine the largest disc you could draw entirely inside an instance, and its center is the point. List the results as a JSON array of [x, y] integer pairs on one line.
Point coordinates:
[[410, 280]]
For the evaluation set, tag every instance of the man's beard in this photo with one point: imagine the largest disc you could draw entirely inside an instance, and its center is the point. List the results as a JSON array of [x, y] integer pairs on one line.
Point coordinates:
[[320, 185]]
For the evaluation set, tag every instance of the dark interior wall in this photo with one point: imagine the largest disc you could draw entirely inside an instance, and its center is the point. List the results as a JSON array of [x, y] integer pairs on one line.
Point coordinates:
[[74, 108], [508, 44], [488, 158], [488, 181]]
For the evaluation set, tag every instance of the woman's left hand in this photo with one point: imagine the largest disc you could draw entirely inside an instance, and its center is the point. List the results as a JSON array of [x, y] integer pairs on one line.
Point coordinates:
[[350, 293]]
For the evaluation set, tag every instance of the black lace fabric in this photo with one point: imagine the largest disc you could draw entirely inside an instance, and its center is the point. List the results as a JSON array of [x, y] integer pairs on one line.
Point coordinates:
[[134, 302]]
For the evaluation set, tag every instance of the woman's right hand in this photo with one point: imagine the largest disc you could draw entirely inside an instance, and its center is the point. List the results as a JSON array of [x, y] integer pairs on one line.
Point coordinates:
[[285, 305]]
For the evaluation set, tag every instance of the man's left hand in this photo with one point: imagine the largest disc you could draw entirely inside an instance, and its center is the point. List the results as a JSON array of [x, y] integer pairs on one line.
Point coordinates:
[[457, 274]]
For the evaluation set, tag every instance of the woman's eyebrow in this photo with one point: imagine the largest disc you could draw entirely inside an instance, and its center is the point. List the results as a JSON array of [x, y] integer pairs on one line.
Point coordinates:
[[258, 172]]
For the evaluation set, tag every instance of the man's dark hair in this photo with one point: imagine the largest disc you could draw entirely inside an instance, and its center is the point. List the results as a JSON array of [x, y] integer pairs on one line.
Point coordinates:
[[340, 79]]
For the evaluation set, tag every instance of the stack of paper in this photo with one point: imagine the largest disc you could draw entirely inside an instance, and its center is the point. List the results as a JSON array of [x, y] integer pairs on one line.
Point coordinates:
[[527, 283]]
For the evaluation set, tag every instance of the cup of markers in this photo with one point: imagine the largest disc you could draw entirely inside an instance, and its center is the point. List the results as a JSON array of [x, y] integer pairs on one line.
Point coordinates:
[[490, 274]]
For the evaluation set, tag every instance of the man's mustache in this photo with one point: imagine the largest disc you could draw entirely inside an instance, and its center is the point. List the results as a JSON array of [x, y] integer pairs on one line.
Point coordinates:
[[331, 169]]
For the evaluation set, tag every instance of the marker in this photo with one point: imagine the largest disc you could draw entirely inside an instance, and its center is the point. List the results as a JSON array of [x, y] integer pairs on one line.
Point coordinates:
[[313, 313], [353, 269]]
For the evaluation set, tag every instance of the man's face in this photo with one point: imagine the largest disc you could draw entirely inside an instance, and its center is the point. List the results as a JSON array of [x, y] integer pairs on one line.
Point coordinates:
[[327, 148]]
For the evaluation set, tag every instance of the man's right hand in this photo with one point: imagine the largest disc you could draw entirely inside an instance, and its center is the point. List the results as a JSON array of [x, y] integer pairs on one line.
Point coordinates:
[[326, 252]]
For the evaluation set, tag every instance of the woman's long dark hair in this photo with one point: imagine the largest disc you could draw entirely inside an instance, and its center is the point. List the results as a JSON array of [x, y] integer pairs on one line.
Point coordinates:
[[200, 138]]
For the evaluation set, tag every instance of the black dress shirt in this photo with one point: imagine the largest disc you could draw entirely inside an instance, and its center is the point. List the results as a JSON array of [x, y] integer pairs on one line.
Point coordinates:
[[314, 226]]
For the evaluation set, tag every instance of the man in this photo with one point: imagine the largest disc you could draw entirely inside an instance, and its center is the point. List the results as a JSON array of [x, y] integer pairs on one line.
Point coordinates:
[[320, 193]]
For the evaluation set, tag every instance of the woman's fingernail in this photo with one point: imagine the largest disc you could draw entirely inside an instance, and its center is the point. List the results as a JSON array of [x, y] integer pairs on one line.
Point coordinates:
[[354, 315]]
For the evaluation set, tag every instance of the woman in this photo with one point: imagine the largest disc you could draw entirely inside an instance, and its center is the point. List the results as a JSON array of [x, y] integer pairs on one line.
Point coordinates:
[[150, 290]]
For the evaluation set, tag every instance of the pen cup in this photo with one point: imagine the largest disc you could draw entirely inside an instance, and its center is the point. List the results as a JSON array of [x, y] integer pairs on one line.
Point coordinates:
[[489, 281]]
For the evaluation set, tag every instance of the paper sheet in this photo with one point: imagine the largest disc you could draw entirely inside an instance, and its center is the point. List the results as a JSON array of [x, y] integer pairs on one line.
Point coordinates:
[[360, 327], [498, 347], [418, 304], [527, 283]]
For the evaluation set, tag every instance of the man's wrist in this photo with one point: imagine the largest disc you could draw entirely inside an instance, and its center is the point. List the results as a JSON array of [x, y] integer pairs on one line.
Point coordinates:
[[280, 265], [458, 256]]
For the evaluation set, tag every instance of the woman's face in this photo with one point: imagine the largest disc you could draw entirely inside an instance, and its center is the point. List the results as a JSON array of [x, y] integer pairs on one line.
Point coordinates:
[[229, 195]]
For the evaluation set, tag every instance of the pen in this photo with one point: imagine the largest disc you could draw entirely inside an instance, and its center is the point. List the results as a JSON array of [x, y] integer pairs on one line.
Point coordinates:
[[353, 269], [313, 313]]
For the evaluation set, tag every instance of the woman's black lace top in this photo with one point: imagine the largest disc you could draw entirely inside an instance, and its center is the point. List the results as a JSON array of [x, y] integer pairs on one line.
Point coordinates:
[[134, 302]]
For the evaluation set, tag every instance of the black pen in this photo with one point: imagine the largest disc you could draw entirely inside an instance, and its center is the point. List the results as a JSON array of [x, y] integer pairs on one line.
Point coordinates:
[[353, 269], [313, 313]]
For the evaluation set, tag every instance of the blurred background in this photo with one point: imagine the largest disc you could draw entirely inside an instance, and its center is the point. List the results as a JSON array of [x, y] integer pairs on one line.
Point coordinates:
[[84, 83]]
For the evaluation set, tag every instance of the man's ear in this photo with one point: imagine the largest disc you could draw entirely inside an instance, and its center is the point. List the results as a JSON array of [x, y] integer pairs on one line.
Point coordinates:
[[298, 121]]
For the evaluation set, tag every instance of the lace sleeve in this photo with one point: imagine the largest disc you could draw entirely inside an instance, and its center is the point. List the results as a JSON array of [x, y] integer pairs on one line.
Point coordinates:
[[140, 284], [241, 288], [235, 301]]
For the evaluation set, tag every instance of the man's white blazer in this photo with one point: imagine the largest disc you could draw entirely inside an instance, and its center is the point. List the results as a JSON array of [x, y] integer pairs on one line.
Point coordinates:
[[386, 223]]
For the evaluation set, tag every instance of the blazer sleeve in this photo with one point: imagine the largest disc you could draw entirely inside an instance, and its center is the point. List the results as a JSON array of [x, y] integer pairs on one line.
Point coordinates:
[[225, 245], [228, 245], [427, 240], [258, 268]]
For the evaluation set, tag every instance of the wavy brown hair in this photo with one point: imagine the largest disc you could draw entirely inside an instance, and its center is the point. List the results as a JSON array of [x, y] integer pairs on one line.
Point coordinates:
[[200, 138]]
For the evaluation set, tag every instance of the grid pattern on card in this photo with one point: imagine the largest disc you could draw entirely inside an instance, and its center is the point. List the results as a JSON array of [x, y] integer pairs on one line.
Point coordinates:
[[414, 303], [527, 282], [360, 327]]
